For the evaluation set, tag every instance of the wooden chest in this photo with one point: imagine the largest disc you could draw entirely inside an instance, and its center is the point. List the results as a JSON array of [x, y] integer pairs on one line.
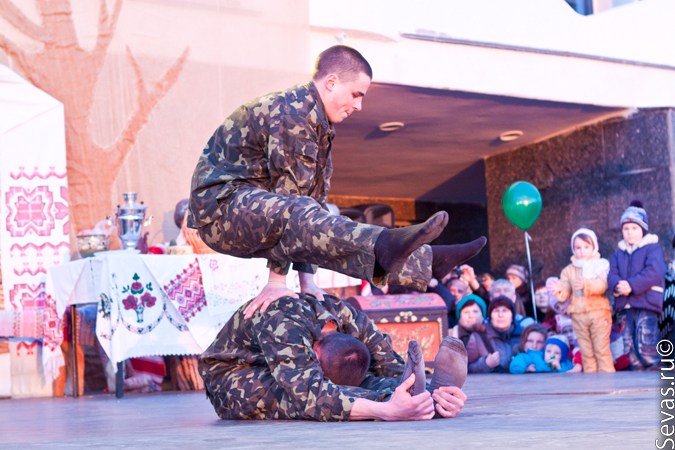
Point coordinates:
[[423, 317]]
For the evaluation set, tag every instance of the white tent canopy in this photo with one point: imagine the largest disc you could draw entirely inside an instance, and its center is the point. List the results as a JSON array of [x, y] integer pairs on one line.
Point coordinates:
[[34, 211]]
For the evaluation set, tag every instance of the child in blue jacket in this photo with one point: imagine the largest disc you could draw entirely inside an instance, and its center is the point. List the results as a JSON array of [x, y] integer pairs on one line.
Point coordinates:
[[554, 358], [636, 279]]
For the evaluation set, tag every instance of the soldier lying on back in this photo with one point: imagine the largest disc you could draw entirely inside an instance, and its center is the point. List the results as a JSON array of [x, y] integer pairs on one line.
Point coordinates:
[[267, 368]]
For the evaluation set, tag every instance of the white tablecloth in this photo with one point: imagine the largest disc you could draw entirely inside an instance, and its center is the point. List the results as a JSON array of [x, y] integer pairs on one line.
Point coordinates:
[[160, 304]]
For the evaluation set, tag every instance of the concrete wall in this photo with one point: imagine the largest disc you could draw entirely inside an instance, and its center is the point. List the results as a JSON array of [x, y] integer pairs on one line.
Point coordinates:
[[586, 178]]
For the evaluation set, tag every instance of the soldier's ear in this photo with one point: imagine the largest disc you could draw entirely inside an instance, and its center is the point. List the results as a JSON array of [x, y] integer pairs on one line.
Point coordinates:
[[330, 81]]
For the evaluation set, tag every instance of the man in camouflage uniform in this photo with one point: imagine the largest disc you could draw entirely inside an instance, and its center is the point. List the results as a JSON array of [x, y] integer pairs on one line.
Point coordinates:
[[266, 368], [261, 184]]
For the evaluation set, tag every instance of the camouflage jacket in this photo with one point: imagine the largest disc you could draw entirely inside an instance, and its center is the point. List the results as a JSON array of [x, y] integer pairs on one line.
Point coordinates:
[[279, 142], [281, 339]]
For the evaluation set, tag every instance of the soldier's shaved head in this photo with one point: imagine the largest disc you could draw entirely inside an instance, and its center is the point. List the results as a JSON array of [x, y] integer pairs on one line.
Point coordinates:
[[344, 359], [343, 61]]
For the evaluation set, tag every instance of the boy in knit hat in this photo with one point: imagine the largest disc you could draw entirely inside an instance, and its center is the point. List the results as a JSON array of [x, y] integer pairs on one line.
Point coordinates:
[[636, 280], [556, 354]]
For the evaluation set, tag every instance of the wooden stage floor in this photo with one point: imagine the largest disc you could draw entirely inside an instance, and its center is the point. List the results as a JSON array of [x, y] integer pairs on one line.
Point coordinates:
[[540, 411]]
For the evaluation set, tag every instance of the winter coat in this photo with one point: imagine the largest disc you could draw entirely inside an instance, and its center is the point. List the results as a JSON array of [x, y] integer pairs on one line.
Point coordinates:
[[482, 344], [593, 272], [644, 267], [520, 362]]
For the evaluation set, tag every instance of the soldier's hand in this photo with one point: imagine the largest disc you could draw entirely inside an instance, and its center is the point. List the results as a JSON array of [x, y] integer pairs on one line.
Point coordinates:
[[403, 406], [449, 400], [273, 291], [308, 286]]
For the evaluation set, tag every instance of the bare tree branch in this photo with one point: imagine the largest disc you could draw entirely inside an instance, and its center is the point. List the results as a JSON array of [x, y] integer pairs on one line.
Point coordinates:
[[146, 102], [140, 82], [57, 21], [15, 53], [106, 26], [18, 20]]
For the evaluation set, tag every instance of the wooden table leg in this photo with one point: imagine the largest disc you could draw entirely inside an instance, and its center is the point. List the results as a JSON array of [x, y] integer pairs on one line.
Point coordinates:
[[119, 380], [73, 350]]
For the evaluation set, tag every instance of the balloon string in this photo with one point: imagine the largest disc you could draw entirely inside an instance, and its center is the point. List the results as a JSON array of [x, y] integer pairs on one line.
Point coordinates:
[[528, 238]]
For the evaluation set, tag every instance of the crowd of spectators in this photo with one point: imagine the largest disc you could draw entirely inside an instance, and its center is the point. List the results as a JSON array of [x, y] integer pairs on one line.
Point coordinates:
[[595, 315]]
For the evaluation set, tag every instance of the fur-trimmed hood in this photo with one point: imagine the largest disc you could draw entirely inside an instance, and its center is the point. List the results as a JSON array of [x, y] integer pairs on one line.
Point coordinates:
[[646, 240]]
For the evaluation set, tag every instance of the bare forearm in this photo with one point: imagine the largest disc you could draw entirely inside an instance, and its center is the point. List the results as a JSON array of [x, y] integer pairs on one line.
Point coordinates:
[[364, 409]]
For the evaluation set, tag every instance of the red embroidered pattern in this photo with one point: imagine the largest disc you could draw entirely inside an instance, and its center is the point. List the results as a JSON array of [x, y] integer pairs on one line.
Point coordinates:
[[27, 296], [31, 258], [53, 325], [187, 291], [35, 174], [30, 210]]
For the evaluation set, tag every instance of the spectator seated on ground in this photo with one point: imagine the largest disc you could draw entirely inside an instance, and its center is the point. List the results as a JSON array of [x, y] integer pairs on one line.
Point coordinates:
[[530, 352], [503, 288], [553, 359], [533, 338], [491, 350], [470, 315], [556, 351]]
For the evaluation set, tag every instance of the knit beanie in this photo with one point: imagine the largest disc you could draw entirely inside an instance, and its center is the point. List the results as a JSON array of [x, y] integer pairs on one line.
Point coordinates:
[[589, 233], [517, 271], [635, 213], [561, 341], [470, 298], [502, 301]]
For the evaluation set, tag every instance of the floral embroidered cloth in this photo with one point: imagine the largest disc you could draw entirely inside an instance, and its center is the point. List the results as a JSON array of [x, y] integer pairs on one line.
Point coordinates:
[[152, 304], [158, 304]]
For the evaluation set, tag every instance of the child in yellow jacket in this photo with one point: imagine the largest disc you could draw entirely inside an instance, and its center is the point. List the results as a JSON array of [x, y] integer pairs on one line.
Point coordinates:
[[584, 282]]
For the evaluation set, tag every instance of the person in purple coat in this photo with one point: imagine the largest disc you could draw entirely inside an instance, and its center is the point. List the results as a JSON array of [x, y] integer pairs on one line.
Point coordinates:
[[636, 279]]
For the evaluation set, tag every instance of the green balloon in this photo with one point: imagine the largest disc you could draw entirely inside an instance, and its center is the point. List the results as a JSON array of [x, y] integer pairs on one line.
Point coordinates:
[[522, 204]]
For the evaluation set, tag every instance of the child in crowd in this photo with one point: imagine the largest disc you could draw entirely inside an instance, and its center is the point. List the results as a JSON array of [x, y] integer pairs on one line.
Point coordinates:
[[556, 354], [554, 358], [533, 338], [584, 282], [636, 279], [520, 278], [555, 308]]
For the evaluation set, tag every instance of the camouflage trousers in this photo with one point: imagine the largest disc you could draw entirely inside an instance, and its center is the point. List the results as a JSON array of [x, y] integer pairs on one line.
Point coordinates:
[[252, 393], [258, 224]]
